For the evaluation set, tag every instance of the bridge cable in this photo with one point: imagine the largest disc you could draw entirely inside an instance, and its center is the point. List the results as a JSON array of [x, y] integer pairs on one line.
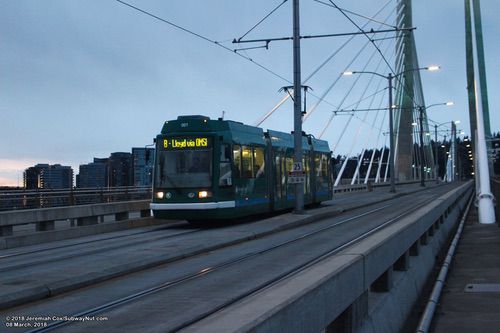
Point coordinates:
[[327, 91], [339, 176], [326, 61], [360, 15], [357, 103]]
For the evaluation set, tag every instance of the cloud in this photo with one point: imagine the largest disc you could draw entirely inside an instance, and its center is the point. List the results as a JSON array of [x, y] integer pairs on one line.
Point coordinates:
[[11, 171]]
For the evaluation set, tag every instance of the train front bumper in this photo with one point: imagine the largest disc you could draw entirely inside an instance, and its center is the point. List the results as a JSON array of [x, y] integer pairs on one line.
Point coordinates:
[[193, 205]]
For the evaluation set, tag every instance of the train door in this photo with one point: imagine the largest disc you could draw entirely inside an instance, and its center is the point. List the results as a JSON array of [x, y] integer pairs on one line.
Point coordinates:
[[307, 182], [280, 181], [315, 174]]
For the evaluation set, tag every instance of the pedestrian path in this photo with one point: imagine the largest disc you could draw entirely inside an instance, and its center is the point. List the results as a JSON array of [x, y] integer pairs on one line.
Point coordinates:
[[471, 298]]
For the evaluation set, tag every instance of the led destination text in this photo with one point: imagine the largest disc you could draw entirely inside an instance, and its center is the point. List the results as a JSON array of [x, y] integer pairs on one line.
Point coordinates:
[[186, 143]]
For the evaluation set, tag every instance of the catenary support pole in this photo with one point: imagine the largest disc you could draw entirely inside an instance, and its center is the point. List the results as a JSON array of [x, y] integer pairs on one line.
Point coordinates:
[[391, 138], [297, 105]]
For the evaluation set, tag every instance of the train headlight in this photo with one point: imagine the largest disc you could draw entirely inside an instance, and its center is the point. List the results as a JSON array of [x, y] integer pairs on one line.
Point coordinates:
[[203, 194], [160, 195]]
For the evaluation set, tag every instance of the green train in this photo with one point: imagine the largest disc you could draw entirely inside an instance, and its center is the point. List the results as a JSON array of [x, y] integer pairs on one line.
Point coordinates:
[[220, 169]]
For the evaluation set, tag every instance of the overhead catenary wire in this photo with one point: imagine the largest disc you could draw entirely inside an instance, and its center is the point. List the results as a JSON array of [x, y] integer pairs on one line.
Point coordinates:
[[323, 64], [262, 20], [356, 136], [191, 32], [329, 89], [360, 15], [339, 176], [370, 132], [349, 91], [420, 102], [396, 76], [340, 106], [365, 34], [363, 99], [375, 146]]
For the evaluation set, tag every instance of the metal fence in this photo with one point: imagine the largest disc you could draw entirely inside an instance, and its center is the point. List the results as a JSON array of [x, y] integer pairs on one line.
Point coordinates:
[[30, 199]]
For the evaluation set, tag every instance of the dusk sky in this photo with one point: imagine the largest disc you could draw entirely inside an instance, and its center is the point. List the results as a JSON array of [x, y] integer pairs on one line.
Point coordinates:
[[83, 78]]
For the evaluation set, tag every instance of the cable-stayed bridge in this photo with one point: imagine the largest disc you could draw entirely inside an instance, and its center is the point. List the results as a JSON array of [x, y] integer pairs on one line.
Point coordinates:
[[95, 260]]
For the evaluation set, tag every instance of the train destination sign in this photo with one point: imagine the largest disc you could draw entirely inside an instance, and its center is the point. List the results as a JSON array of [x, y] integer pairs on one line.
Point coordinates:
[[181, 143]]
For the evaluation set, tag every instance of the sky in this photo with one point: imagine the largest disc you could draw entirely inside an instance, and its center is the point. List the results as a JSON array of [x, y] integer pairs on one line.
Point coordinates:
[[83, 78]]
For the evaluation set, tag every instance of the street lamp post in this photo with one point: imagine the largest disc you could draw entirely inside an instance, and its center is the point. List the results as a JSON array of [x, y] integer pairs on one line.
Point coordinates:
[[436, 165], [391, 138], [452, 149], [436, 162], [389, 78], [421, 137]]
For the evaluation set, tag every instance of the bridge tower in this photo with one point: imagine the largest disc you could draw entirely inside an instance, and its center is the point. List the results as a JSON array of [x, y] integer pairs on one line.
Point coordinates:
[[409, 98]]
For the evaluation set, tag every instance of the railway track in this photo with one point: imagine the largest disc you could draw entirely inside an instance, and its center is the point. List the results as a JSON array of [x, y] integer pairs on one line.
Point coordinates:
[[78, 249], [243, 260]]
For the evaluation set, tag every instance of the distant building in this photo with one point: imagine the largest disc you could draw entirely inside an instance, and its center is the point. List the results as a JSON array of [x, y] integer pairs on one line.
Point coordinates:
[[45, 176], [93, 175], [31, 176], [143, 166], [120, 170]]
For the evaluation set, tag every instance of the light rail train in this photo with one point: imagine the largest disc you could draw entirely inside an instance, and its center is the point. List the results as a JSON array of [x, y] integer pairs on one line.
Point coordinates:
[[220, 169]]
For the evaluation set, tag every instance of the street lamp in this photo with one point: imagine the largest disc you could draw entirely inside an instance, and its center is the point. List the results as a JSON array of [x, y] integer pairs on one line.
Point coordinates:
[[389, 78], [436, 125], [436, 164]]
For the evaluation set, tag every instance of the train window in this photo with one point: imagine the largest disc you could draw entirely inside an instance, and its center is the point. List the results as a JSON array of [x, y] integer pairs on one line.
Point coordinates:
[[225, 153], [283, 174], [184, 168], [324, 165], [278, 176], [305, 168], [289, 164], [259, 162], [317, 164], [246, 162], [225, 175], [237, 160]]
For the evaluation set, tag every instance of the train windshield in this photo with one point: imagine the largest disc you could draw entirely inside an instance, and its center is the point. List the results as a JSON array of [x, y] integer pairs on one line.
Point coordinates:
[[184, 168]]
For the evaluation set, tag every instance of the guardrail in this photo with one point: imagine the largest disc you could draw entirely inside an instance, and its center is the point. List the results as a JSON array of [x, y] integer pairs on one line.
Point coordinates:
[[370, 185], [83, 214], [31, 199]]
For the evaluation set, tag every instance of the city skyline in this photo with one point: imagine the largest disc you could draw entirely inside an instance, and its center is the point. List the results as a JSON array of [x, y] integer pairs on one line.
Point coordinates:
[[84, 78], [133, 168]]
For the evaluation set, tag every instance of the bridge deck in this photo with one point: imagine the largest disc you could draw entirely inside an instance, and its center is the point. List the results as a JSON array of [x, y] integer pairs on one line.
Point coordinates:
[[471, 299]]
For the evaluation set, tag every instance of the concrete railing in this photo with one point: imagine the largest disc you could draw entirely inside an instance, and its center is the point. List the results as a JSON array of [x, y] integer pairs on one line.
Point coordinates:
[[45, 218], [47, 198], [84, 215], [370, 286]]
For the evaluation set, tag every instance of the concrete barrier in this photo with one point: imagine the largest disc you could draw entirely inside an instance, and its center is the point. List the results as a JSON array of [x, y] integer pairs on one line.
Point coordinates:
[[369, 287], [84, 214]]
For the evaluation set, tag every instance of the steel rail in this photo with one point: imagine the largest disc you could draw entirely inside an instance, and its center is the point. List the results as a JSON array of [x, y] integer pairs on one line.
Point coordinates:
[[302, 267], [99, 250], [15, 254], [205, 271]]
